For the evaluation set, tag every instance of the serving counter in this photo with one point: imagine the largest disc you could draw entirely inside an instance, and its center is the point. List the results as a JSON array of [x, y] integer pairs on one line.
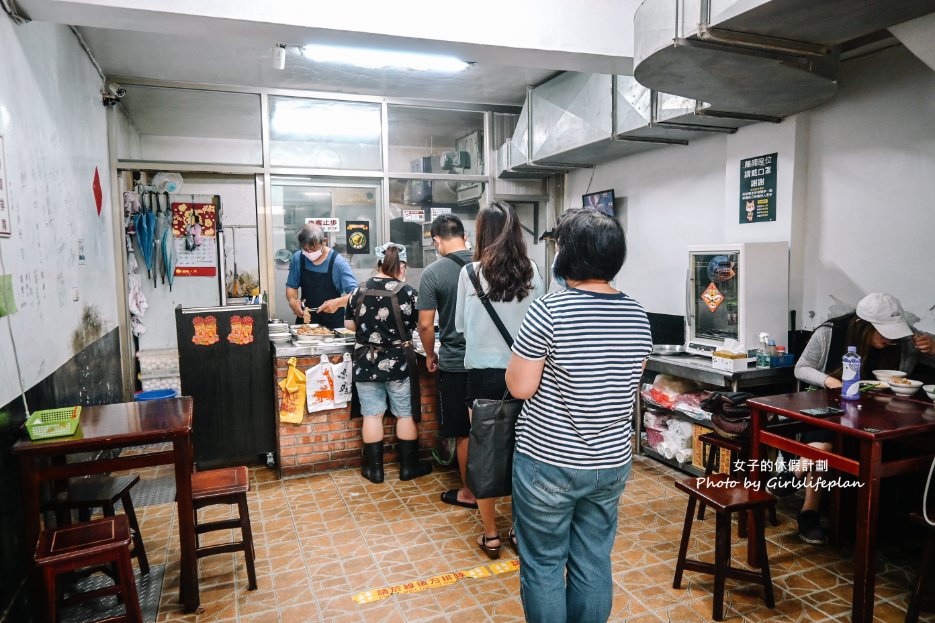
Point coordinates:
[[327, 440]]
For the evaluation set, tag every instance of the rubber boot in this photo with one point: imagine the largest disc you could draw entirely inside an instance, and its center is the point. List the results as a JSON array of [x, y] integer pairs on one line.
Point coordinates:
[[409, 464], [373, 462]]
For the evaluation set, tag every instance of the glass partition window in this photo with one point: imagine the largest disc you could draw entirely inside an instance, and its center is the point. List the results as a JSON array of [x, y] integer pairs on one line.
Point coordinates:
[[325, 134], [427, 140], [296, 201], [186, 125], [413, 205]]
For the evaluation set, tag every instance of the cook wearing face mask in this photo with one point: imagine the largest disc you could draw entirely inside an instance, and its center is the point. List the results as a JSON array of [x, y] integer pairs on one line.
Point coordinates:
[[319, 279]]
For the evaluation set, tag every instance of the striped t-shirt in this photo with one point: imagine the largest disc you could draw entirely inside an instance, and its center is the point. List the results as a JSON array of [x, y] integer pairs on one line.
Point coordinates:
[[594, 346]]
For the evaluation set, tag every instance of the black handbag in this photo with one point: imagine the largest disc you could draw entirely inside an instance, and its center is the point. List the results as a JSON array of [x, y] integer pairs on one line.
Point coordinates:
[[493, 428], [490, 450]]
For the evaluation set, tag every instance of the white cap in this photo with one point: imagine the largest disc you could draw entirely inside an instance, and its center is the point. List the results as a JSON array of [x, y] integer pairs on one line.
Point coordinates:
[[886, 315]]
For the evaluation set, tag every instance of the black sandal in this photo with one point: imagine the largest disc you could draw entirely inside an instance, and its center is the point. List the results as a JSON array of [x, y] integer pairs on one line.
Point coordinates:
[[513, 538], [493, 552]]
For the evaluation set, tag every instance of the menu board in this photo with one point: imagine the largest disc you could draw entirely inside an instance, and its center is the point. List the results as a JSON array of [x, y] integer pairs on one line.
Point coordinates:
[[758, 189]]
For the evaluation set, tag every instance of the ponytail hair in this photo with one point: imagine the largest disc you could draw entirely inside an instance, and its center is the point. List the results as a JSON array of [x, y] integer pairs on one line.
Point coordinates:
[[391, 265]]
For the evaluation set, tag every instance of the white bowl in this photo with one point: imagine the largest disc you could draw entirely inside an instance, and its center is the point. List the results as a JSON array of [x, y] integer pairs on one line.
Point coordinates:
[[885, 375], [906, 390], [929, 391]]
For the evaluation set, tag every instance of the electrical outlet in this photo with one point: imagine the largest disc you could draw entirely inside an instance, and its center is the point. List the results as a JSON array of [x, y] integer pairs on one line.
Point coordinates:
[[74, 294]]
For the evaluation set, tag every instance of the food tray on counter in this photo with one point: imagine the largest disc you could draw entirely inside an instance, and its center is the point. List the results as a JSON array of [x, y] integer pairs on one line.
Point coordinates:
[[50, 423]]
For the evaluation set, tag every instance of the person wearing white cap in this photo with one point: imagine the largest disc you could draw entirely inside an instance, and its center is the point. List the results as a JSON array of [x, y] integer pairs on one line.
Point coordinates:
[[884, 341]]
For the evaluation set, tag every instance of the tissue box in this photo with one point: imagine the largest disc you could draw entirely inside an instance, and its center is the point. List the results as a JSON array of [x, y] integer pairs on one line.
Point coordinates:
[[729, 362]]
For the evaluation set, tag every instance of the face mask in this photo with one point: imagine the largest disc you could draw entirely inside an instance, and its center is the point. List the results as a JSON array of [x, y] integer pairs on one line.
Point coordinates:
[[559, 280], [313, 256]]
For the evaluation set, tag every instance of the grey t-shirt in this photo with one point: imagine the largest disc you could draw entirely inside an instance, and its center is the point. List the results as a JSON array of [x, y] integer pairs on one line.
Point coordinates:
[[439, 290]]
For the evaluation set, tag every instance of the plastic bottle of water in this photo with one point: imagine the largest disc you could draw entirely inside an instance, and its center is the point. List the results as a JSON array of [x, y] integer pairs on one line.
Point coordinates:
[[850, 374]]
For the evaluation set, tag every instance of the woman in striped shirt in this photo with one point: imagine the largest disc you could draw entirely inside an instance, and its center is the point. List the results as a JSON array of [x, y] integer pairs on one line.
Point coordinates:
[[577, 361]]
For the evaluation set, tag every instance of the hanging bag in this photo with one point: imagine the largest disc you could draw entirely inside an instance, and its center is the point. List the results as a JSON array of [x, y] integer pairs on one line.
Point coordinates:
[[493, 427], [292, 402], [320, 386]]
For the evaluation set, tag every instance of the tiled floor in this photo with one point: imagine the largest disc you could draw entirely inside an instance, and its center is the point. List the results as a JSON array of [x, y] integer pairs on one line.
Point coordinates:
[[323, 539]]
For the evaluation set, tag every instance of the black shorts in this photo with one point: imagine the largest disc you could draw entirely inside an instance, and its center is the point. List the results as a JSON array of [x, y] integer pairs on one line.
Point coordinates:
[[485, 383], [452, 388], [816, 435]]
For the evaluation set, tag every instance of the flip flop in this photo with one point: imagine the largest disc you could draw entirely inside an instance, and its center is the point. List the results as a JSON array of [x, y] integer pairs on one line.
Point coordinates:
[[451, 497]]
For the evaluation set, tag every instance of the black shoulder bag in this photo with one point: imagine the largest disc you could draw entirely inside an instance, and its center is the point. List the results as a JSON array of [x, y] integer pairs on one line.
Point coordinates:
[[493, 427]]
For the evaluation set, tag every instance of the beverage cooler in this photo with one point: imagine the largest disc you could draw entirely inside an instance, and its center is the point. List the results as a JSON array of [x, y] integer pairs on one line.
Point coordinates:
[[736, 291], [226, 367]]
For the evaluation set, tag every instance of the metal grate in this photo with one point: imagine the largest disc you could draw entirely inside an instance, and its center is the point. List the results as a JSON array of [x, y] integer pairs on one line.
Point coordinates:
[[149, 588]]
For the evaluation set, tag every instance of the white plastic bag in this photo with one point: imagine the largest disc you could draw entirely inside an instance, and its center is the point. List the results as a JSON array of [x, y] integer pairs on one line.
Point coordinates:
[[342, 381], [319, 386]]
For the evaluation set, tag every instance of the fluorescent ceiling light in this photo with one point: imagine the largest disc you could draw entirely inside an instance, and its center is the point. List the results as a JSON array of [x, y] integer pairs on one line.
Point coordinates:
[[383, 59], [296, 119]]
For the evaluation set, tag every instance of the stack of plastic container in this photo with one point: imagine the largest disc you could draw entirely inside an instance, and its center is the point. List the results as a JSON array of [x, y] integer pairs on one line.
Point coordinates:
[[159, 369]]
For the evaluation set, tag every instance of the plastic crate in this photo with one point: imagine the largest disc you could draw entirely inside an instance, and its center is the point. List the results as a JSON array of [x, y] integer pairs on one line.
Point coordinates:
[[162, 361], [53, 423], [149, 382]]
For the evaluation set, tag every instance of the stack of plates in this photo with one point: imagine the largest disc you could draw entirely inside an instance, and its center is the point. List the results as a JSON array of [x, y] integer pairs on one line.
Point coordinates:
[[279, 332]]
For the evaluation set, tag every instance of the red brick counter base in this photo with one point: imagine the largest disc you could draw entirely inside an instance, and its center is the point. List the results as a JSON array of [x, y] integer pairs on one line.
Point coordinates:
[[327, 440]]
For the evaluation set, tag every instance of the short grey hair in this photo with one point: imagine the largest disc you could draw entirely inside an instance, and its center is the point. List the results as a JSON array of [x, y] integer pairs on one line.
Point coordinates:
[[311, 235]]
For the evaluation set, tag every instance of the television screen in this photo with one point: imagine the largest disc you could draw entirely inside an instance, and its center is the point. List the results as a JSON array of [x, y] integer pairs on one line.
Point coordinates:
[[602, 201]]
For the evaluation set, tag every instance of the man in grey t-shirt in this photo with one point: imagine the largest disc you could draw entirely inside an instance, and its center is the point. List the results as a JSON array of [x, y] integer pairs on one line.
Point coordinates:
[[439, 292]]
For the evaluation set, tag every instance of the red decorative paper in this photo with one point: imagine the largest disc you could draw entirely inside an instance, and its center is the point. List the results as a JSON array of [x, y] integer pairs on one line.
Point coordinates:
[[206, 330], [183, 214], [241, 330], [712, 297], [98, 193]]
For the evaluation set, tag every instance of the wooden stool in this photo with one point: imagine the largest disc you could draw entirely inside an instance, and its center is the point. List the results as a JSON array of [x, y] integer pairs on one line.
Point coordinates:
[[925, 568], [738, 451], [225, 486], [89, 544], [102, 492], [724, 500]]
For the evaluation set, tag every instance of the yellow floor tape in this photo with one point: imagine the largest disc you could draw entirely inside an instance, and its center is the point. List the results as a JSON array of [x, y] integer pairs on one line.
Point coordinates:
[[445, 579]]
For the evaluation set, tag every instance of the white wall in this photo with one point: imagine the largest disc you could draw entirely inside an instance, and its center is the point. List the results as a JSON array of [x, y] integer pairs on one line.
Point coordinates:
[[855, 188], [55, 134], [189, 149]]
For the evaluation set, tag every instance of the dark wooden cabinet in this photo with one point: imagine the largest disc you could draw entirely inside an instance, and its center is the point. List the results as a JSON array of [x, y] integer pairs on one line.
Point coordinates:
[[225, 366]]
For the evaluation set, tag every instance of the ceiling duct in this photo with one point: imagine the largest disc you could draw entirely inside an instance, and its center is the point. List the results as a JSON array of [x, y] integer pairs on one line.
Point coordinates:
[[755, 58], [579, 120]]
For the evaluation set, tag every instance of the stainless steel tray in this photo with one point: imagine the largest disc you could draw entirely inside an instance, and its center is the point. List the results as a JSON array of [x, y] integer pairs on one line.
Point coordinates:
[[668, 349]]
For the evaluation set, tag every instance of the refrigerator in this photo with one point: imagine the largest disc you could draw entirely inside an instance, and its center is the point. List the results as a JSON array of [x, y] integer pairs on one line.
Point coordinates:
[[226, 367]]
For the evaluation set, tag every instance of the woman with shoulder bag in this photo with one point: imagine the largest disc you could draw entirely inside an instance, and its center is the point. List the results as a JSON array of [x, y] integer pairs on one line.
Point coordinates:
[[383, 315], [503, 277], [577, 361]]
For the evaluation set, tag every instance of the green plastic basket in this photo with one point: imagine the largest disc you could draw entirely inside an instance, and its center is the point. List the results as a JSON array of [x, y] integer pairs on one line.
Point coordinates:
[[53, 423]]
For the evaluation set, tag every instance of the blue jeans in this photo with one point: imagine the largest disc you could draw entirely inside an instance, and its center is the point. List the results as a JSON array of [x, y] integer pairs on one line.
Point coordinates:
[[373, 396], [565, 519]]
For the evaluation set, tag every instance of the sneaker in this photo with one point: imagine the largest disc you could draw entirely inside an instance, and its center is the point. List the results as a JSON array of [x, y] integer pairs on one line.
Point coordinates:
[[810, 528], [785, 484]]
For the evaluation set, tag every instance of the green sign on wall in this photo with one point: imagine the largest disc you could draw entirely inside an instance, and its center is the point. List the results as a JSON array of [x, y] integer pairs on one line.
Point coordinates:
[[758, 189]]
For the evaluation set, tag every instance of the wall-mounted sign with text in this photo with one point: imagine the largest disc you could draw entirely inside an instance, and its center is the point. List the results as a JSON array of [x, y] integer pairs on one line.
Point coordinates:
[[6, 228], [328, 225], [439, 211], [413, 216], [758, 189]]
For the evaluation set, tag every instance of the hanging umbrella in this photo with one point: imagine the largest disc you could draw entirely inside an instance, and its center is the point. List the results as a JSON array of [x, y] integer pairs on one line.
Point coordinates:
[[162, 223], [145, 229], [169, 257]]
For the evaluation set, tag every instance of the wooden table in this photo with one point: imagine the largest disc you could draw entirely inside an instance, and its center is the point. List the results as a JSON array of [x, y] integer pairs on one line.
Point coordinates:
[[872, 420], [119, 426]]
